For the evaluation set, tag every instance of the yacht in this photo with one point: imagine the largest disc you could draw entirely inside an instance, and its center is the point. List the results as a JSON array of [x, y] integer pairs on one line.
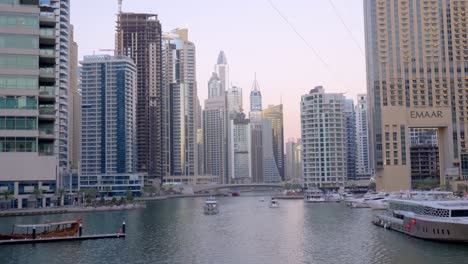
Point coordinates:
[[314, 196], [333, 197], [211, 206], [274, 203], [430, 215]]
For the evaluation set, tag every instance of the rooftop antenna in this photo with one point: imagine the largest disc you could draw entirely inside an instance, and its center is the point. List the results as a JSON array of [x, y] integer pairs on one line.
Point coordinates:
[[120, 6]]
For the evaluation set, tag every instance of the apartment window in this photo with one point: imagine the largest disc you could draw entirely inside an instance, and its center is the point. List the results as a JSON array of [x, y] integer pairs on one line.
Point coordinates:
[[17, 144], [19, 41], [18, 82], [26, 62], [18, 20], [18, 102], [17, 123]]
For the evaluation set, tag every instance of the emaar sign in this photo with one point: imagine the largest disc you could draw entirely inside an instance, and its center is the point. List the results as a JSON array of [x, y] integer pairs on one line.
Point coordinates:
[[426, 114]]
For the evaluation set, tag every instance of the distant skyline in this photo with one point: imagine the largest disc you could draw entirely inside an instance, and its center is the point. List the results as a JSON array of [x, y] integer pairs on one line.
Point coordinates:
[[256, 39]]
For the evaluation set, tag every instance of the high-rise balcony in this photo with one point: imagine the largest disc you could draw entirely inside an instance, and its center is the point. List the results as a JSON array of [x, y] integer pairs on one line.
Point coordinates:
[[47, 56], [47, 90], [47, 73], [46, 149], [46, 133], [47, 35], [47, 18], [47, 112]]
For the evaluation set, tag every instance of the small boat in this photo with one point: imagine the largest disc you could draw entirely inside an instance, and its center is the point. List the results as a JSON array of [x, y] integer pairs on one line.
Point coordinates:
[[274, 203], [314, 196], [46, 230], [211, 206], [333, 197], [262, 199], [235, 193]]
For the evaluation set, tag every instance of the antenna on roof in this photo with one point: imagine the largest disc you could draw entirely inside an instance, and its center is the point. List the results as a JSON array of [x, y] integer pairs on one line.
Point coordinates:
[[120, 6]]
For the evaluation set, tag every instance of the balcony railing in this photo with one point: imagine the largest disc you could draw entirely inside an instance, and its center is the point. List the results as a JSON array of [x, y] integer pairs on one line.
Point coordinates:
[[46, 131], [47, 32], [47, 52], [46, 150], [47, 71], [48, 15], [46, 90], [47, 110]]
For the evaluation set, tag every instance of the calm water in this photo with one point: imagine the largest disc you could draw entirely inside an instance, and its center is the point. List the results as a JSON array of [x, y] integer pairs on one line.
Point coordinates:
[[245, 231]]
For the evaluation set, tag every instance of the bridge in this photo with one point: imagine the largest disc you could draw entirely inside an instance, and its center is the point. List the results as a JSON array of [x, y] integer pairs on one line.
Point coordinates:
[[210, 187]]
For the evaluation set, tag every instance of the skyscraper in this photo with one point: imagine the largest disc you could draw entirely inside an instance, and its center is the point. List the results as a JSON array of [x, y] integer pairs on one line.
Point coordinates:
[[34, 86], [234, 99], [179, 104], [271, 173], [75, 106], [323, 130], [214, 86], [416, 77], [139, 37], [239, 154], [256, 133], [350, 123], [71, 181], [215, 142], [293, 168], [222, 70], [274, 113], [255, 97], [109, 97], [362, 138]]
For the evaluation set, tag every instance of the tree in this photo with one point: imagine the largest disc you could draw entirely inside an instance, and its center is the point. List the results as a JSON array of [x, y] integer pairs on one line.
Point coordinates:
[[90, 193], [108, 190], [61, 194], [36, 195], [372, 186], [129, 195], [7, 197]]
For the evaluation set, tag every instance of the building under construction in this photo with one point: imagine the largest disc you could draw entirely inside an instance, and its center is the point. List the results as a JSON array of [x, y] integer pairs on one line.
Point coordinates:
[[139, 37]]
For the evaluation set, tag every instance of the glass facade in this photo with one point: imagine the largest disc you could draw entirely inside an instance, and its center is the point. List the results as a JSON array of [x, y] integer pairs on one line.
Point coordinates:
[[17, 123], [25, 62], [18, 144], [19, 41], [18, 102], [19, 20], [18, 82]]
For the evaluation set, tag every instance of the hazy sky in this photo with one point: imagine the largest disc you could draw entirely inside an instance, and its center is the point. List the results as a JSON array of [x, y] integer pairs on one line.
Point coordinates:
[[255, 39]]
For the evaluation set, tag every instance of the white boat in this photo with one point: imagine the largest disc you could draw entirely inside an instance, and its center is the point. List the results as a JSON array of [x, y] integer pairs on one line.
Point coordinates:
[[379, 204], [211, 206], [314, 196], [333, 197], [274, 203], [430, 215]]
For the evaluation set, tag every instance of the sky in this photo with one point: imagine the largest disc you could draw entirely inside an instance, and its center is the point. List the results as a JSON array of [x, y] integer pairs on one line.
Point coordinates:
[[327, 49]]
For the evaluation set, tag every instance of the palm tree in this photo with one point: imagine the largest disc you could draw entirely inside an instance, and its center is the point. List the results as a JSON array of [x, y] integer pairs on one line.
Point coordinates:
[[61, 194], [36, 195], [6, 196]]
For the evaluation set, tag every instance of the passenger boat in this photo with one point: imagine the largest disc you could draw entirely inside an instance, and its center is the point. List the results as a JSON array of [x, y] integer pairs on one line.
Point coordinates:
[[46, 230], [211, 206], [274, 203], [433, 216], [314, 196], [333, 197]]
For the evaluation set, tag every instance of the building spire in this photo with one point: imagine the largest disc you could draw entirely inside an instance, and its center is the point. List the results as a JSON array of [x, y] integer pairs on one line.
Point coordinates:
[[222, 58], [255, 86]]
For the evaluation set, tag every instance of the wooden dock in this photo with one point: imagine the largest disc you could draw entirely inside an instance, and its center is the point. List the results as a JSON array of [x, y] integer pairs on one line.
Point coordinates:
[[60, 239]]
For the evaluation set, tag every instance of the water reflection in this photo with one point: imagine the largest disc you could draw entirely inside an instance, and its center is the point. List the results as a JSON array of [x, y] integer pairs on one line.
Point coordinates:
[[245, 231]]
